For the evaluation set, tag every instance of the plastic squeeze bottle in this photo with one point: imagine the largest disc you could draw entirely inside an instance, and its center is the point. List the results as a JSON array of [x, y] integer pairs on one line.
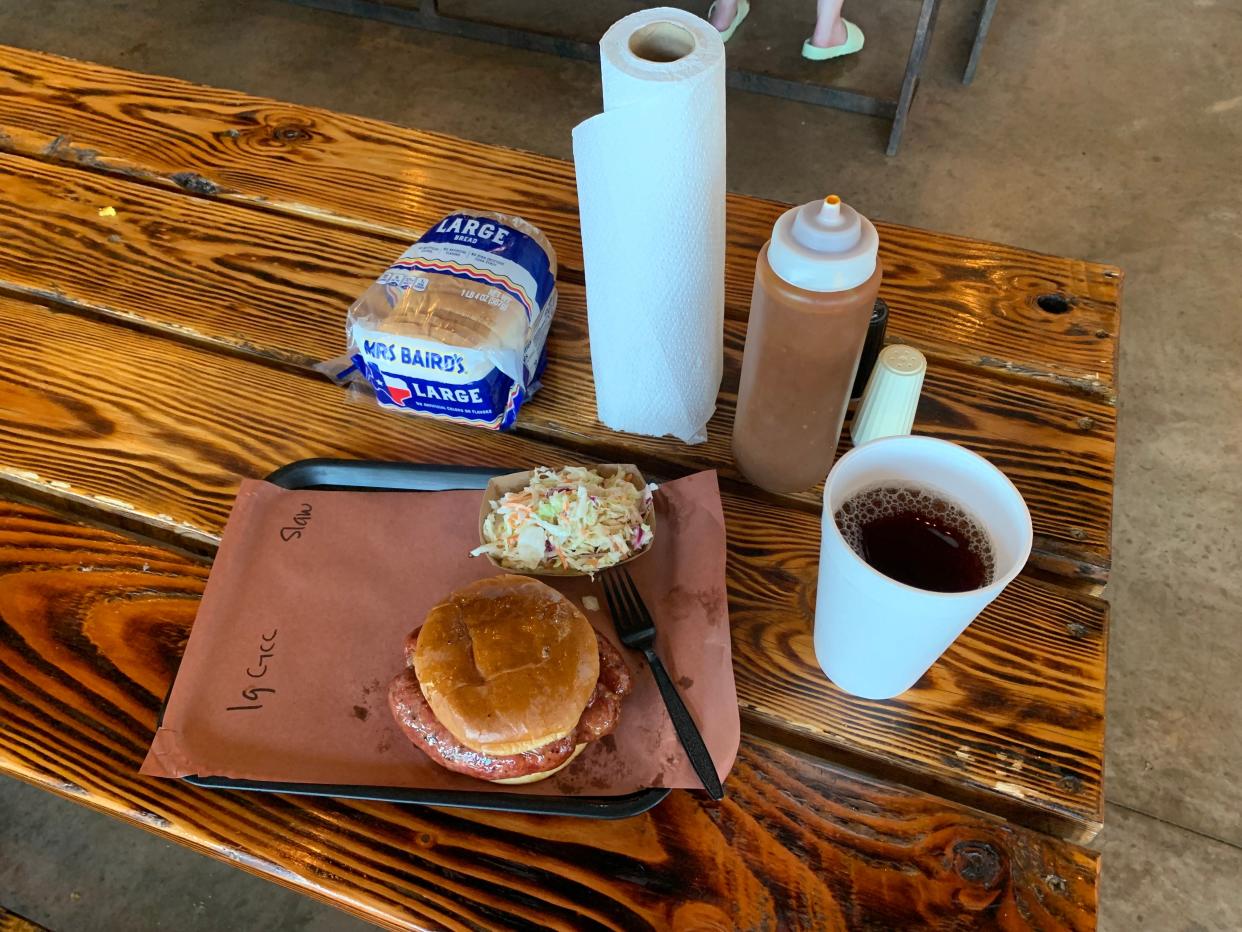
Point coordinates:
[[816, 281]]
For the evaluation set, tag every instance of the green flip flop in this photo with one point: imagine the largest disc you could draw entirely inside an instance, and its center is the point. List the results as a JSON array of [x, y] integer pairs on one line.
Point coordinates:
[[743, 10], [853, 43]]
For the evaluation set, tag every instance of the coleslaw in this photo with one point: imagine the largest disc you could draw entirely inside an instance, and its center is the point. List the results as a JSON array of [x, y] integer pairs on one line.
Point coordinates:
[[572, 519]]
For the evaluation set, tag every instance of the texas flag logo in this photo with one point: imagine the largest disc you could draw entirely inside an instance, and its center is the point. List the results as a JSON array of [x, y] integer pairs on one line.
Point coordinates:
[[395, 395]]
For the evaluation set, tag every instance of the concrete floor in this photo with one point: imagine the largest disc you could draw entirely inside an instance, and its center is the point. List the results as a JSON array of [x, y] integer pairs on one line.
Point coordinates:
[[1096, 130]]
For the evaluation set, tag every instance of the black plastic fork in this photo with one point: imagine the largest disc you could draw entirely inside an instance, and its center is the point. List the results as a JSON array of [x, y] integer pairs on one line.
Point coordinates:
[[636, 629]]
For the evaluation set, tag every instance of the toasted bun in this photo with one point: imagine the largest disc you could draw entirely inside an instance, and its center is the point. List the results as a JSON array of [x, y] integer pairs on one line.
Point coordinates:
[[536, 777], [507, 664]]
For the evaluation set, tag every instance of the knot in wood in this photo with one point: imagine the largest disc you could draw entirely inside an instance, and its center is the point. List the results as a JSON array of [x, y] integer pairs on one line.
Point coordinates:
[[195, 184], [290, 132], [977, 862], [1055, 303], [1056, 883]]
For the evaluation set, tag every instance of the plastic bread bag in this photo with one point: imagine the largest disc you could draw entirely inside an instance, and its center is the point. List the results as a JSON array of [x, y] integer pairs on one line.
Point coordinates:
[[457, 327]]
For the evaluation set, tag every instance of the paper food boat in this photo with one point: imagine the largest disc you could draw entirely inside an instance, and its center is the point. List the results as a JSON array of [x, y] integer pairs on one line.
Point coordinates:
[[515, 482]]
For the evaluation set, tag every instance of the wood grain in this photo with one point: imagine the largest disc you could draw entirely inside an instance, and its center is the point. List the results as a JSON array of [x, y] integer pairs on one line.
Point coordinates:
[[1014, 708], [11, 922], [975, 302], [278, 286], [91, 629], [117, 418]]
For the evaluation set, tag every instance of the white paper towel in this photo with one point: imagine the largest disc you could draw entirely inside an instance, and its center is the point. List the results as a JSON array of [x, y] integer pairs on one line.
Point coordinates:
[[651, 194]]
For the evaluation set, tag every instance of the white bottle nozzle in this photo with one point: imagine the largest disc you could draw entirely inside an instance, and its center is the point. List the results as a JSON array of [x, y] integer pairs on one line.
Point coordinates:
[[823, 246]]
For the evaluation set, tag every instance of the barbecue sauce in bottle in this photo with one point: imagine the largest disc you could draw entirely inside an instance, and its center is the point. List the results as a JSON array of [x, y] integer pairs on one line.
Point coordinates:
[[816, 281]]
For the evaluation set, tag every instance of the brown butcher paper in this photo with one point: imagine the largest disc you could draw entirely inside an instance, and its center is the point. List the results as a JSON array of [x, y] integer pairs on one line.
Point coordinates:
[[285, 676]]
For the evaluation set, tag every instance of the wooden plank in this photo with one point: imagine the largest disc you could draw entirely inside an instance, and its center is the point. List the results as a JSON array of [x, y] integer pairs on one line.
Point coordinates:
[[973, 301], [118, 418], [11, 922], [91, 630], [278, 286]]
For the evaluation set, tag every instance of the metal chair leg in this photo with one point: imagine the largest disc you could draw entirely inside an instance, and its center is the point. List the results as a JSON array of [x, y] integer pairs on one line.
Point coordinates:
[[914, 69], [981, 35]]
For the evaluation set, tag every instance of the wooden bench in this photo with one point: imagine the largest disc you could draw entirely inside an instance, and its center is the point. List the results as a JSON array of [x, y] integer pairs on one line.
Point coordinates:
[[173, 262], [11, 922]]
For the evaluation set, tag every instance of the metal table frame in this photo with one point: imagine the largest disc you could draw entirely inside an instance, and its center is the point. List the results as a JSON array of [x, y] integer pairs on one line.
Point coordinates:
[[981, 34], [428, 16]]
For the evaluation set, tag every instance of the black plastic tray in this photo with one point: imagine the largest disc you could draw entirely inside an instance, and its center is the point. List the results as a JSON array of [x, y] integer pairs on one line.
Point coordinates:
[[372, 476]]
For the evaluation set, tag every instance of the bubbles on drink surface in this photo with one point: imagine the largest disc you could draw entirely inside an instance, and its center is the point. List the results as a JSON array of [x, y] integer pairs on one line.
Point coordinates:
[[918, 537]]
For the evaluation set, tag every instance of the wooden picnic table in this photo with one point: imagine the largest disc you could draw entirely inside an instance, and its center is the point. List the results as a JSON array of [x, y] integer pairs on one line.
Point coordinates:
[[174, 259]]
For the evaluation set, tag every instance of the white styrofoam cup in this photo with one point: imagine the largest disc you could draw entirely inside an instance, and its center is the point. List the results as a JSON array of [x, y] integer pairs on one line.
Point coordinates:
[[875, 636]]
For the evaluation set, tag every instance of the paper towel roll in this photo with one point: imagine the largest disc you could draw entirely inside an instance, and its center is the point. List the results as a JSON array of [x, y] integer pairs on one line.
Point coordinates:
[[651, 194]]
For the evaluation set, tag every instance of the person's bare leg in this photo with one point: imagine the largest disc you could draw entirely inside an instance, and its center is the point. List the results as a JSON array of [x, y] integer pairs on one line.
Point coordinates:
[[723, 15], [829, 30]]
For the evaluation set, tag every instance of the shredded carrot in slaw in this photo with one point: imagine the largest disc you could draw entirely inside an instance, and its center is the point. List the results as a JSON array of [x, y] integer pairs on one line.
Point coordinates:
[[571, 519]]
